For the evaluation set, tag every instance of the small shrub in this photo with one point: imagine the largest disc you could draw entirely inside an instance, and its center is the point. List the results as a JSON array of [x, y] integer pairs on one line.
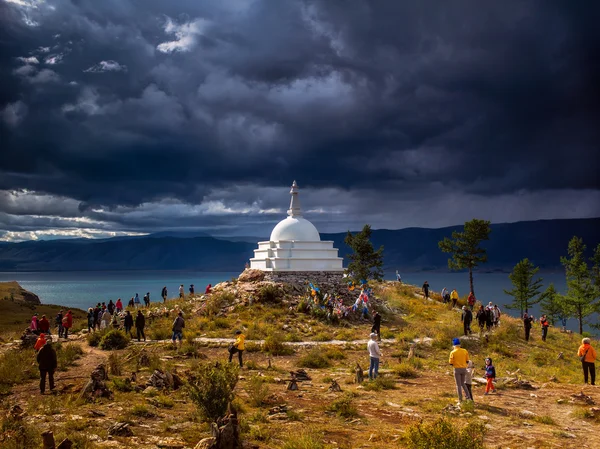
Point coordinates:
[[123, 385], [314, 359], [10, 376], [114, 339], [274, 345], [163, 401], [545, 419], [305, 440], [405, 371], [344, 407], [211, 386], [335, 354], [141, 411], [269, 293], [94, 338], [252, 347], [322, 336], [67, 354], [257, 390], [260, 433], [16, 434], [442, 434], [381, 383], [292, 336]]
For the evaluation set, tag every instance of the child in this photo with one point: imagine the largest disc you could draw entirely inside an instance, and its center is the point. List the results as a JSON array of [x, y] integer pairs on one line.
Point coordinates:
[[490, 375], [468, 377]]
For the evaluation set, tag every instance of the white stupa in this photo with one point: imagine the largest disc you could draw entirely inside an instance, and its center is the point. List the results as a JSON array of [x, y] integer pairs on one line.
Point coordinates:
[[295, 246]]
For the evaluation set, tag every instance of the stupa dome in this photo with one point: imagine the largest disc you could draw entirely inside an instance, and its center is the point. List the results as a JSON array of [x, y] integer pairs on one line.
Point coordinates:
[[296, 229]]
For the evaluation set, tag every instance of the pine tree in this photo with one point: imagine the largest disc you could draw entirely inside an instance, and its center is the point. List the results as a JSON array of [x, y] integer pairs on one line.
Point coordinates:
[[365, 262], [580, 300], [552, 305], [526, 290], [465, 249]]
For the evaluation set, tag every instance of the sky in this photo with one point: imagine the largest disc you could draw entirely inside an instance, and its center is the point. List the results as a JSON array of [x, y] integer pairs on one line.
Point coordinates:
[[126, 117]]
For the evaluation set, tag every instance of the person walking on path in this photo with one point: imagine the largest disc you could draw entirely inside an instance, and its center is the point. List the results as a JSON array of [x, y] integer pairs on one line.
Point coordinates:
[[497, 315], [47, 364], [490, 375], [128, 323], [140, 323], [454, 298], [377, 325], [237, 346], [119, 305], [527, 320], [481, 319], [34, 323], [111, 307], [136, 300], [425, 289], [398, 277], [67, 324], [58, 322], [445, 295], [178, 326], [97, 316], [106, 319], [471, 300], [181, 292], [467, 317], [44, 325], [587, 355], [545, 324], [374, 355], [489, 318], [469, 378], [90, 320], [41, 341], [459, 358], [164, 293]]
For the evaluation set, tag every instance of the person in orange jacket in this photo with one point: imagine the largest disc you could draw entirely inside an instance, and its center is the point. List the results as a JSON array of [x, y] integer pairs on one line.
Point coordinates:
[[67, 323], [41, 341], [587, 355]]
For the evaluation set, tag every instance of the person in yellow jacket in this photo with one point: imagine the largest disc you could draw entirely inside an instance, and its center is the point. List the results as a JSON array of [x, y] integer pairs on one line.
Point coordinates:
[[459, 358], [454, 297], [237, 346], [587, 355]]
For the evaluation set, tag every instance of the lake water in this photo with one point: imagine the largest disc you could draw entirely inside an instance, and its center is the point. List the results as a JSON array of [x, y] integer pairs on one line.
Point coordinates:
[[84, 289]]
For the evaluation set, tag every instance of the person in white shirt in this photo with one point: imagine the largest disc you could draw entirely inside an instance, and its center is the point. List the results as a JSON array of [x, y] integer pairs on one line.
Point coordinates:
[[469, 378], [374, 354]]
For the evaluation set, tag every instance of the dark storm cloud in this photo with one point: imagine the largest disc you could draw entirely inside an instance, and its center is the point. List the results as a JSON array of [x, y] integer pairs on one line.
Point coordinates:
[[117, 108]]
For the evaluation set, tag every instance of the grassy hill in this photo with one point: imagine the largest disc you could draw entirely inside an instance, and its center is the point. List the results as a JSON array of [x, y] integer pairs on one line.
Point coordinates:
[[412, 405]]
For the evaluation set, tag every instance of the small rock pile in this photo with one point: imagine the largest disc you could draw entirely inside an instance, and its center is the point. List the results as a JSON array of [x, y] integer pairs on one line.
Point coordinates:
[[164, 380], [96, 386]]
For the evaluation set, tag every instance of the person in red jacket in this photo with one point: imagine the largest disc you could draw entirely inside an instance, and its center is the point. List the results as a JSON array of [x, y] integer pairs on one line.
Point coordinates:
[[119, 305], [208, 290], [44, 325], [587, 355], [67, 323]]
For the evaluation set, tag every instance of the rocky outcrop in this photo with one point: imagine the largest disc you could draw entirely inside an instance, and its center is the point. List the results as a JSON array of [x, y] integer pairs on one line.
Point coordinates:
[[14, 292]]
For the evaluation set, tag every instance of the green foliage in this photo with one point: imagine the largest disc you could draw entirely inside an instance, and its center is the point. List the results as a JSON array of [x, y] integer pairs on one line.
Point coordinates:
[[258, 391], [580, 300], [380, 383], [365, 262], [114, 339], [211, 386], [67, 354], [552, 305], [405, 370], [16, 434], [142, 411], [465, 249], [274, 345], [9, 376], [526, 290], [123, 385], [304, 440], [94, 338], [314, 359], [442, 434], [344, 407], [114, 364], [269, 293]]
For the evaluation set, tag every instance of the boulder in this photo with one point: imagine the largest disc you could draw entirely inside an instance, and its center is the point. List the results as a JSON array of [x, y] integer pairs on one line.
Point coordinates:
[[251, 275], [120, 429]]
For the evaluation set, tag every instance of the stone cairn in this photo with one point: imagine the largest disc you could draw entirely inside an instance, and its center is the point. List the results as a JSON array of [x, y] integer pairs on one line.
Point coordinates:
[[96, 386], [225, 433]]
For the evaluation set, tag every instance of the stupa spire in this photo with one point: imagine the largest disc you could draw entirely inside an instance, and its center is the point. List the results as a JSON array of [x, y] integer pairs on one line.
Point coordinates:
[[294, 210]]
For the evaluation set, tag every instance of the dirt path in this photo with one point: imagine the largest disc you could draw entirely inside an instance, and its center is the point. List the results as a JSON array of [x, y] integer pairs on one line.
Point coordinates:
[[65, 380]]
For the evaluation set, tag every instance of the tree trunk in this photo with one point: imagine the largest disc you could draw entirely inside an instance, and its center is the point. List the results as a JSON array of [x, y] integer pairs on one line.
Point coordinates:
[[580, 323], [471, 281]]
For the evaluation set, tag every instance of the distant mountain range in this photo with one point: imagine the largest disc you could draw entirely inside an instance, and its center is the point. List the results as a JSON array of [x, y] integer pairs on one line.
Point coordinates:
[[410, 249]]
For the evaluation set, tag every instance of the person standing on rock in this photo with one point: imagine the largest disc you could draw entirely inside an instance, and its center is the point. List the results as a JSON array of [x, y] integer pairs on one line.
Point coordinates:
[[181, 292], [128, 323], [459, 358], [377, 325], [164, 293], [545, 324], [111, 307], [425, 290], [527, 320], [119, 305], [238, 346], [47, 364], [67, 324], [398, 277], [34, 323], [445, 295], [140, 323], [467, 317], [374, 355], [136, 301], [208, 289], [587, 355], [178, 326]]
